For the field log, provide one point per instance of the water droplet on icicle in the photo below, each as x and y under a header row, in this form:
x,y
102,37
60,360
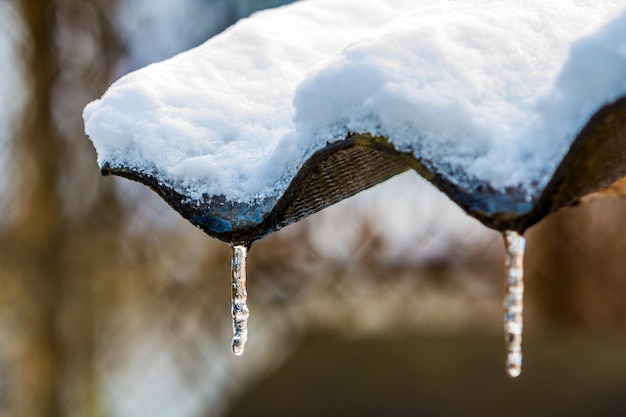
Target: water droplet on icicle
x,y
239,299
514,301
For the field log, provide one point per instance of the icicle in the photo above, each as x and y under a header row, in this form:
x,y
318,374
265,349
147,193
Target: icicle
x,y
239,299
514,300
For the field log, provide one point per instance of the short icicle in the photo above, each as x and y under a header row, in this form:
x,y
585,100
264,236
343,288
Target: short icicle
x,y
514,301
239,298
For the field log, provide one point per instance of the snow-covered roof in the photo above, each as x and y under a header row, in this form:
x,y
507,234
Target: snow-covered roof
x,y
476,96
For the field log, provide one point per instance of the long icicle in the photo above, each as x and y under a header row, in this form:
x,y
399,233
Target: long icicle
x,y
514,301
239,298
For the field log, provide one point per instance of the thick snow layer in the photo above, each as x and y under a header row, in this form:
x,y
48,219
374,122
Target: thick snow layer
x,y
485,89
488,91
210,119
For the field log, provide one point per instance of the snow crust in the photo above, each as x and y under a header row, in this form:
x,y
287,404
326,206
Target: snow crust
x,y
481,90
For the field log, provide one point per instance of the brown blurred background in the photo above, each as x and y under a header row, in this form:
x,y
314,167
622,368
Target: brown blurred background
x,y
386,304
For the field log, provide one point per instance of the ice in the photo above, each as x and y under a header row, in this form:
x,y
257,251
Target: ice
x,y
514,301
239,299
477,90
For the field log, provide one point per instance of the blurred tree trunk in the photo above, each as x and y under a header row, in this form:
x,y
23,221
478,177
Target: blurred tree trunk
x,y
49,299
39,224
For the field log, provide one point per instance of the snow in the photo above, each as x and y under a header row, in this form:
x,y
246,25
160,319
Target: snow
x,y
485,91
210,119
482,81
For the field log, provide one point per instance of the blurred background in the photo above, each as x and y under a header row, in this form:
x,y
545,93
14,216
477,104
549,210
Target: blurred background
x,y
389,303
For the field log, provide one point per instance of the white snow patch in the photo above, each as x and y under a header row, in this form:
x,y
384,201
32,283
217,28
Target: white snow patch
x,y
463,84
210,119
474,87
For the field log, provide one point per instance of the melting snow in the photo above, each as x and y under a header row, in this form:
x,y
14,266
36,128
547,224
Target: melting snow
x,y
494,90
